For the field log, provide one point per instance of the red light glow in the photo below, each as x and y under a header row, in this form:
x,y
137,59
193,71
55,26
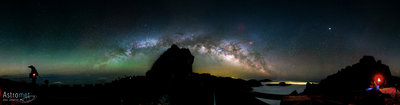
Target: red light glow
x,y
378,79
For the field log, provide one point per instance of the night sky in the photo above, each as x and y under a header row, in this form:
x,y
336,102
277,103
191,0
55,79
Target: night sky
x,y
281,40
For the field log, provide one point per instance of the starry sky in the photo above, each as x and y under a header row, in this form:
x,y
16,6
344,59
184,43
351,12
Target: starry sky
x,y
249,39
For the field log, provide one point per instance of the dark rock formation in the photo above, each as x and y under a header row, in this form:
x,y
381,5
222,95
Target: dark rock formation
x,y
349,84
357,77
254,83
173,64
265,80
293,93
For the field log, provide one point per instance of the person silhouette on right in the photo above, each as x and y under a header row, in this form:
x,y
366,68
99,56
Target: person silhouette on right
x,y
34,74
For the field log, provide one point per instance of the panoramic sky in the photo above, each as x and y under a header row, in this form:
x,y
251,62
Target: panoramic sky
x,y
282,40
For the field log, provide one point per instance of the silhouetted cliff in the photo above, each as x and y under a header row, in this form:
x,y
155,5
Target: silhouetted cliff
x,y
358,76
349,84
175,63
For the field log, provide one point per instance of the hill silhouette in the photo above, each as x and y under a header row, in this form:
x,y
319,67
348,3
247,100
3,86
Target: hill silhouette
x,y
349,84
358,76
6,83
173,64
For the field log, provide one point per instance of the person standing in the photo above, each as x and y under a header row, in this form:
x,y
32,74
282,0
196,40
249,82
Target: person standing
x,y
34,74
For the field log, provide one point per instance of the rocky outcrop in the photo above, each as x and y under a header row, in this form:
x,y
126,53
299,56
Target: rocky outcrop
x,y
359,76
173,64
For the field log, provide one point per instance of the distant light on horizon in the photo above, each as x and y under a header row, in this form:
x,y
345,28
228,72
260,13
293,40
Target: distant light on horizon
x,y
291,83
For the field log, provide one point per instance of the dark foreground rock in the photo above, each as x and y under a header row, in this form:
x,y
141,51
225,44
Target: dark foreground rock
x,y
357,77
360,83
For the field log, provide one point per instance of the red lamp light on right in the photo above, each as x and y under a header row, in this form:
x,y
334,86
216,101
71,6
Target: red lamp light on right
x,y
379,79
